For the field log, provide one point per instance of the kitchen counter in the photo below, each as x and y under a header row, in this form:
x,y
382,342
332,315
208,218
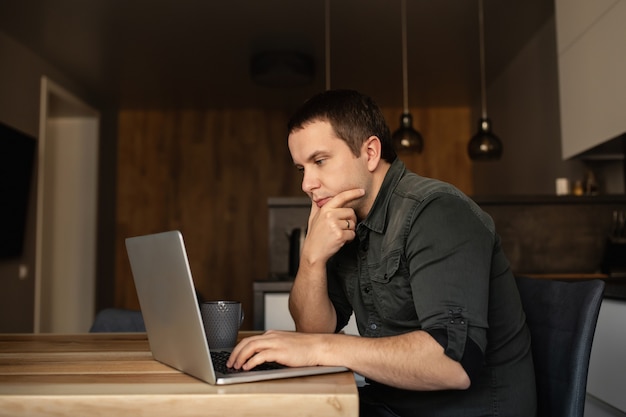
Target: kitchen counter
x,y
549,199
615,288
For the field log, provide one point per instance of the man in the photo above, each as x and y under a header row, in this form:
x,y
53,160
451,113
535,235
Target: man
x,y
442,328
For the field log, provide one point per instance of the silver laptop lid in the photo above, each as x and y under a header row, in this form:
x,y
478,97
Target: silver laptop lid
x,y
168,303
172,317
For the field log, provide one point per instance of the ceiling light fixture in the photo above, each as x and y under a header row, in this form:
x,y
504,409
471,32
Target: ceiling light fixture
x,y
406,139
282,68
484,145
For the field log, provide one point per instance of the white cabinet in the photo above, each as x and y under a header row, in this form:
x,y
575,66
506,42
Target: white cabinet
x,y
592,64
271,310
276,315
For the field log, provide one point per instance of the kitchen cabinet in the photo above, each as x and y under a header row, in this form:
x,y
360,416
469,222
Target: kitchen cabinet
x,y
592,64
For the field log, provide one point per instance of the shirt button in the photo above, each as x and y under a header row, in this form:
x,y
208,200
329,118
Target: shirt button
x,y
367,290
373,326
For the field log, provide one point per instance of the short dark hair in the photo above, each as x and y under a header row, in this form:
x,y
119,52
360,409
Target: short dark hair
x,y
353,116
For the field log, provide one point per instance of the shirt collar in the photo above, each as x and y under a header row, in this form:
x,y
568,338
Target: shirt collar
x,y
377,217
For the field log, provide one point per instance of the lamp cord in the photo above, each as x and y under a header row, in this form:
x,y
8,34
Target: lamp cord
x,y
327,42
405,71
481,33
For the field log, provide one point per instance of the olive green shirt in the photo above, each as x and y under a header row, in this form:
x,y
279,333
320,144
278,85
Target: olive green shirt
x,y
427,257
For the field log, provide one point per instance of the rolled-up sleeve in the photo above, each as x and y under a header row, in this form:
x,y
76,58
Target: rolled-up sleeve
x,y
449,251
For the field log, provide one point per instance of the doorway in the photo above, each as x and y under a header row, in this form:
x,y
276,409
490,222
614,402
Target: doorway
x,y
67,190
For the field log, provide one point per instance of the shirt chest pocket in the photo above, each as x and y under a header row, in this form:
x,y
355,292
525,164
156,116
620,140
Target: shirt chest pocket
x,y
390,282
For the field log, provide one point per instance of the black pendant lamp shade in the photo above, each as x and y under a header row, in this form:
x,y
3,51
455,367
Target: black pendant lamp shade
x,y
484,145
407,139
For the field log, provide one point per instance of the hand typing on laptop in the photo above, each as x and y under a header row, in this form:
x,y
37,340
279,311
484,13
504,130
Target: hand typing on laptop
x,y
287,348
220,358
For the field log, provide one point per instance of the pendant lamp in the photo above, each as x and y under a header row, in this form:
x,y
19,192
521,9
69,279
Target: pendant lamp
x,y
484,145
406,139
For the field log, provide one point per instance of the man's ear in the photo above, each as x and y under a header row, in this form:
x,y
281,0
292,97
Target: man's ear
x,y
372,150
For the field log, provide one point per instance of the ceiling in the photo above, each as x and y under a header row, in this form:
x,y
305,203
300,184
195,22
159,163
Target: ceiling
x,y
196,53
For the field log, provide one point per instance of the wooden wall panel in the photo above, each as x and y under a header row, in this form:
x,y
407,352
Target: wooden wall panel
x,y
209,174
446,132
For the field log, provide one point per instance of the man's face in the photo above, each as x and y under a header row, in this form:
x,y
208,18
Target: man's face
x,y
327,164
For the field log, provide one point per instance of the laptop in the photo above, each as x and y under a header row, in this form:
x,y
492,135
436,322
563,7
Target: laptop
x,y
172,317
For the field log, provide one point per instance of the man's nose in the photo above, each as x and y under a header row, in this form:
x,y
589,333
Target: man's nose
x,y
309,183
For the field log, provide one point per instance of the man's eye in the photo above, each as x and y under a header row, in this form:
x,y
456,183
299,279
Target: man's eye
x,y
319,161
300,169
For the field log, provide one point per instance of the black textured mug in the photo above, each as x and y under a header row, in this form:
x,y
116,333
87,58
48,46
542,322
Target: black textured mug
x,y
221,320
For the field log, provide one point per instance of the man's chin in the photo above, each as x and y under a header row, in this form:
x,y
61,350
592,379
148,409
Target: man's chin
x,y
355,204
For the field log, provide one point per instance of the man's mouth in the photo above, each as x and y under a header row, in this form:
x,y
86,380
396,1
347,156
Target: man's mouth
x,y
320,202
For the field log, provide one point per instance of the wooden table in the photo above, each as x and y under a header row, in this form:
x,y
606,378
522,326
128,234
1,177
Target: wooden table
x,y
106,374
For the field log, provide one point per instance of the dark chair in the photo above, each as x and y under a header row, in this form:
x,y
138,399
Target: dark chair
x,y
118,320
123,320
562,320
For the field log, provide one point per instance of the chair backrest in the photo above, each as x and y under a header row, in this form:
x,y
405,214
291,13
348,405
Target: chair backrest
x,y
118,320
562,319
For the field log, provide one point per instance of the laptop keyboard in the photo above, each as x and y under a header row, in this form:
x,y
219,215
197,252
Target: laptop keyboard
x,y
219,359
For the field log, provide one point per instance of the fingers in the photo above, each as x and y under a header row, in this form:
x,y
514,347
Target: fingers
x,y
314,210
249,352
287,348
338,201
330,227
341,220
344,197
238,357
